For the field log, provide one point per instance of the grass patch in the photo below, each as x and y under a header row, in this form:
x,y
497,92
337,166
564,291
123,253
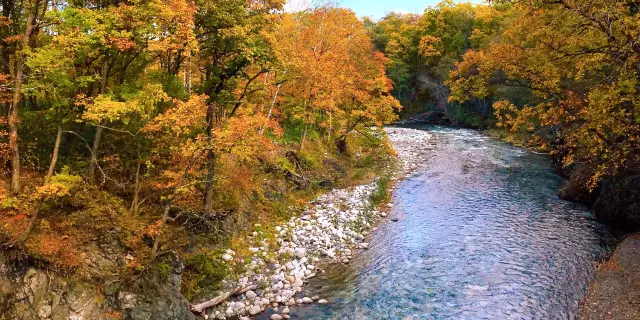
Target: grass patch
x,y
381,193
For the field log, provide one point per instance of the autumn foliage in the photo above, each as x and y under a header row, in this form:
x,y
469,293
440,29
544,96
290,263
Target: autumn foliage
x,y
579,62
150,127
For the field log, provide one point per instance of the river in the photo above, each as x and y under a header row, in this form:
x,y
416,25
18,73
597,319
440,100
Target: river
x,y
480,234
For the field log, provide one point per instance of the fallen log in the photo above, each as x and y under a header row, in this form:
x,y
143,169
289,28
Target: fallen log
x,y
199,308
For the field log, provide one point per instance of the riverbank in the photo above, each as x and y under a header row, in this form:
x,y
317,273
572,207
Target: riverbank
x,y
90,246
614,294
332,230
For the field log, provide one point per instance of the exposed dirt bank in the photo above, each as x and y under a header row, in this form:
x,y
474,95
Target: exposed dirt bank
x,y
615,292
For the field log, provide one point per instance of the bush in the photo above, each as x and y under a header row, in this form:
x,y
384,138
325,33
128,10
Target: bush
x,y
380,194
204,271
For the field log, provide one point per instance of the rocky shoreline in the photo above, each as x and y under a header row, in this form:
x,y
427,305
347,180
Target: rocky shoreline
x,y
614,294
331,230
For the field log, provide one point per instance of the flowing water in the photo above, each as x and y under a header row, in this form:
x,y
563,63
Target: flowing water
x,y
480,234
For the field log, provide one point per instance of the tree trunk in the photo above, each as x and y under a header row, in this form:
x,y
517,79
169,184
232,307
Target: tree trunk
x,y
341,144
13,137
94,154
211,159
32,221
187,76
17,99
304,136
167,208
96,139
273,103
54,155
47,179
136,191
330,125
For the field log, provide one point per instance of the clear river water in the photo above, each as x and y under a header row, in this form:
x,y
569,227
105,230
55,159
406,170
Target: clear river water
x,y
481,234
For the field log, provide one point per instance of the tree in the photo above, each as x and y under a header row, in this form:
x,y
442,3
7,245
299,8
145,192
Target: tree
x,y
232,36
330,54
580,61
34,9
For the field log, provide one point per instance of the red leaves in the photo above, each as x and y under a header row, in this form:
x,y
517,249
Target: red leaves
x,y
121,43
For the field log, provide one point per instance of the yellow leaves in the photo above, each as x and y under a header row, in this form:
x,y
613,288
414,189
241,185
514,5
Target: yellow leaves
x,y
104,108
60,185
586,94
174,26
470,77
52,190
329,53
503,112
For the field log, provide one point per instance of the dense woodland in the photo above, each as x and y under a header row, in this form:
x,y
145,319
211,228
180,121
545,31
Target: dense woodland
x,y
166,126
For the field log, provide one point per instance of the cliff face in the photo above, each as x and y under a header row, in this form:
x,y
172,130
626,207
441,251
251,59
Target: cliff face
x,y
31,293
35,294
619,201
616,200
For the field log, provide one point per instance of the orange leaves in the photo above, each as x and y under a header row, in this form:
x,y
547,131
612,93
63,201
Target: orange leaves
x,y
61,250
572,67
154,229
328,53
13,38
429,46
241,136
121,43
184,118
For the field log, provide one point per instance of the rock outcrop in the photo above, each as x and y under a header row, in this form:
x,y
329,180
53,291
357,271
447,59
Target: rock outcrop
x,y
616,200
36,294
29,293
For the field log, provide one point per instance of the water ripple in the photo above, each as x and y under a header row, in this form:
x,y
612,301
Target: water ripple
x,y
481,235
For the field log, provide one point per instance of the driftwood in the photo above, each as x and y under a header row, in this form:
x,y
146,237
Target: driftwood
x,y
198,308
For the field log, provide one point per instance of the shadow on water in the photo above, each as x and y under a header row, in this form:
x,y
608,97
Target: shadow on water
x,y
481,235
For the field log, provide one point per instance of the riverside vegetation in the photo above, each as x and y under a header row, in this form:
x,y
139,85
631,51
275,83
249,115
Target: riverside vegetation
x,y
560,76
152,147
144,138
